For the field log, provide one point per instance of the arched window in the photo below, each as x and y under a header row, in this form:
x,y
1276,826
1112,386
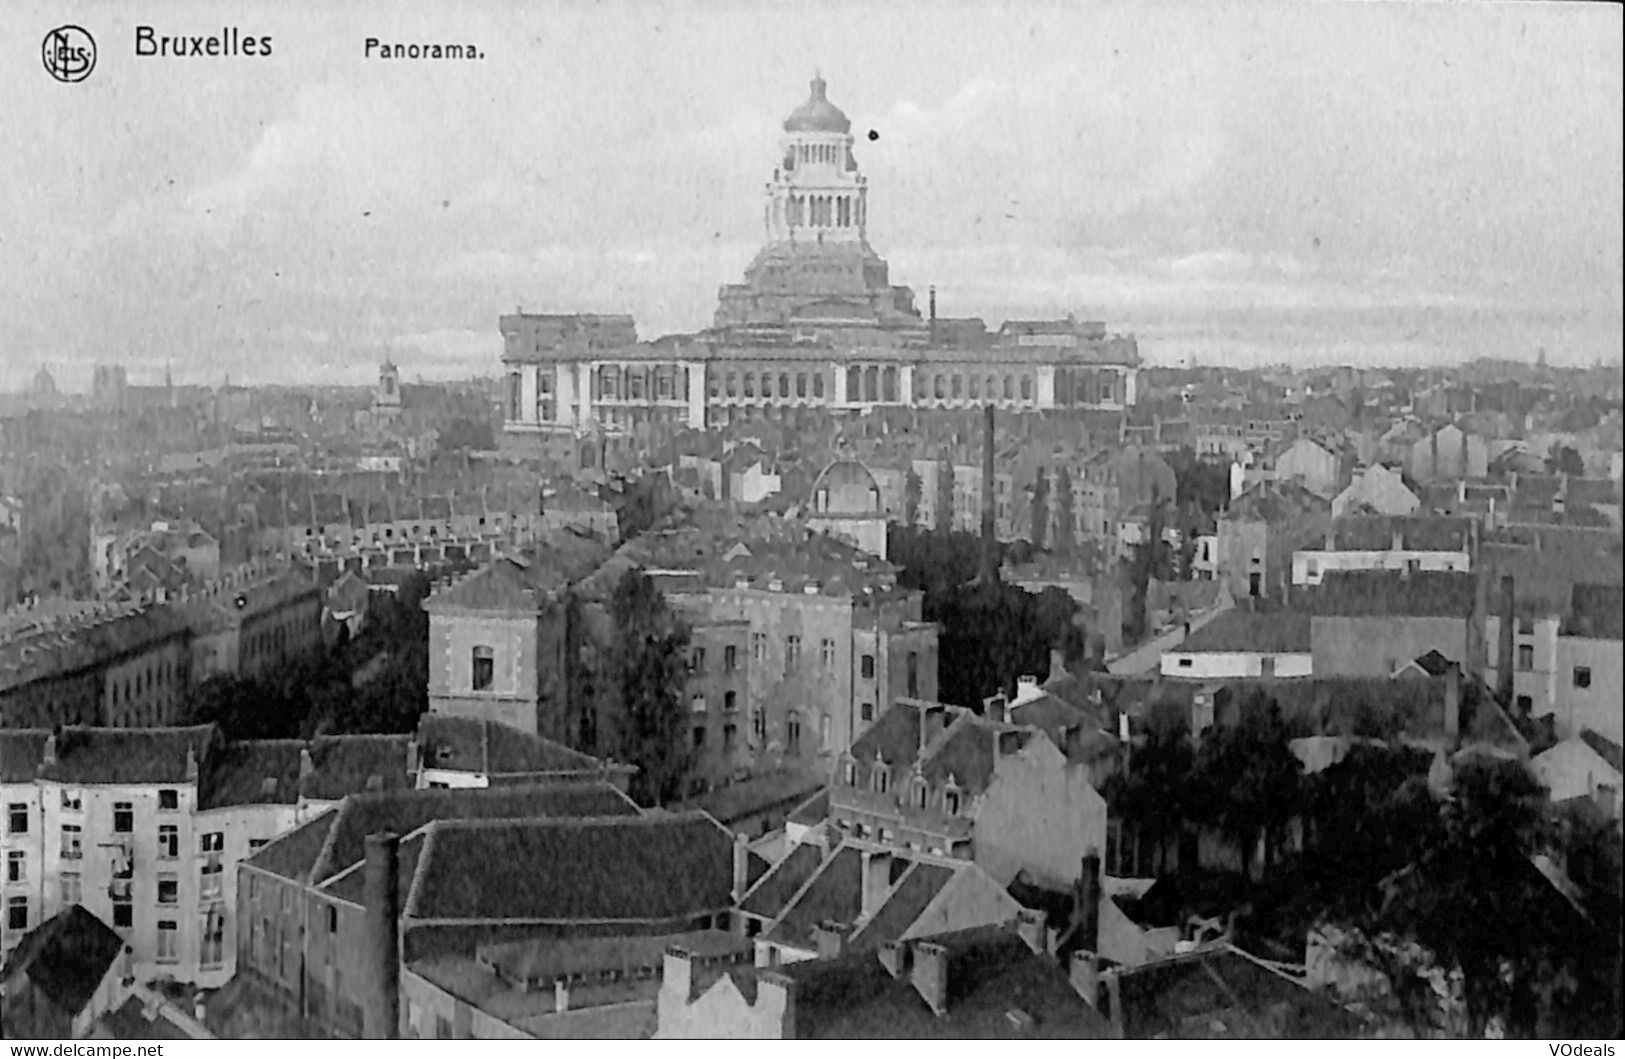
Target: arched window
x,y
958,386
939,386
750,384
818,385
767,385
975,387
882,778
784,384
921,794
801,384
1026,387
854,384
888,384
1009,388
992,387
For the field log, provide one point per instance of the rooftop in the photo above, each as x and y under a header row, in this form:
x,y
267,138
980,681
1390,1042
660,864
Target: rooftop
x,y
1243,629
65,958
1394,593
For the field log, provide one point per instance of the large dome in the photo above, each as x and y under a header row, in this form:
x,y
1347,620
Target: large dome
x,y
818,114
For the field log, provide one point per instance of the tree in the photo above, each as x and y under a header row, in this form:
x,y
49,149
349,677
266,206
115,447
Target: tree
x,y
1249,780
648,664
911,498
1040,509
1564,459
1154,791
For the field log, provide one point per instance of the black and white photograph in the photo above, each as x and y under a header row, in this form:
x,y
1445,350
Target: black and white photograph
x,y
943,519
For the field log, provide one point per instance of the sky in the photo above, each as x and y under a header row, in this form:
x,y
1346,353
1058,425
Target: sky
x,y
1244,183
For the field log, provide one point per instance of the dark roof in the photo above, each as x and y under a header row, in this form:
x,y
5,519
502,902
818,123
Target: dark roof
x,y
1274,501
129,1022
1394,593
1598,612
347,764
252,772
1241,629
66,957
21,751
1222,993
343,832
895,735
834,895
469,744
510,584
655,867
1433,664
745,798
915,890
1606,748
770,895
1423,533
992,975
130,755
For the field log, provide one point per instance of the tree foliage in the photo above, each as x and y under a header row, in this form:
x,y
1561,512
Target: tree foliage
x,y
1565,459
648,664
1248,781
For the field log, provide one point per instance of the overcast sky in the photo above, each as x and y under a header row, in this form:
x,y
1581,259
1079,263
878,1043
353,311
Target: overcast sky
x,y
1249,182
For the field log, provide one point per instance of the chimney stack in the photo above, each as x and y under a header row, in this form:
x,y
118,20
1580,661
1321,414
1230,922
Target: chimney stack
x,y
741,865
1452,700
1505,677
1085,976
933,300
1030,924
996,708
894,957
830,939
561,995
876,881
380,1009
677,974
929,975
1057,664
776,999
1088,902
990,562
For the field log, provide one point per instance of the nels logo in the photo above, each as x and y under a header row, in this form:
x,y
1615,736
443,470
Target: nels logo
x,y
69,53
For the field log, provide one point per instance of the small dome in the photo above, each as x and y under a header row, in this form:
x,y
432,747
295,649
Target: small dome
x,y
818,114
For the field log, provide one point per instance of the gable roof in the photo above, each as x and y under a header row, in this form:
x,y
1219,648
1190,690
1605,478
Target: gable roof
x,y
66,957
773,891
21,751
628,868
1244,629
1394,593
334,841
468,744
1220,993
130,755
834,894
992,974
346,764
251,772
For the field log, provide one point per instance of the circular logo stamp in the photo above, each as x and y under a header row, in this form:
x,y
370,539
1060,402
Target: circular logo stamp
x,y
69,53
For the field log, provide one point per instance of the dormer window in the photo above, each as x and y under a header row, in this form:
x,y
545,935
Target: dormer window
x,y
951,800
882,779
922,794
849,773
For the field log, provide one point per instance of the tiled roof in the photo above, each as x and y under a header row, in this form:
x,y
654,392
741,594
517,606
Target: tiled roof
x,y
130,755
251,772
79,642
1598,611
1606,748
21,751
510,584
347,764
895,736
654,867
1376,533
65,958
991,975
758,793
834,894
1218,994
1395,593
467,744
1273,502
1241,629
915,890
769,896
403,812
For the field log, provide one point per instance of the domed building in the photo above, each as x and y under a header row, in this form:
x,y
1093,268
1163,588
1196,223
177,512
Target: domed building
x,y
845,503
817,327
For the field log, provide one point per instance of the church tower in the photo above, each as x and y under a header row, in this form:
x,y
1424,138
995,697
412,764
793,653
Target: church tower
x,y
817,193
387,400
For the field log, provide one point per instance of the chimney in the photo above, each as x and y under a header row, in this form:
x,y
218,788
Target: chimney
x,y
1505,661
1398,541
677,973
996,708
1452,700
933,719
1266,668
411,756
894,957
1087,900
1030,923
830,939
990,560
933,300
1331,539
380,1010
929,975
1114,1003
776,1003
561,995
48,754
306,765
876,881
741,863
1085,976
1057,664
191,764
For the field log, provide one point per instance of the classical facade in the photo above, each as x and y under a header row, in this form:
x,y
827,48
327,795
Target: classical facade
x,y
816,324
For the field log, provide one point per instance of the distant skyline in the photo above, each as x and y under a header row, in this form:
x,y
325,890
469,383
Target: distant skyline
x,y
1363,183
